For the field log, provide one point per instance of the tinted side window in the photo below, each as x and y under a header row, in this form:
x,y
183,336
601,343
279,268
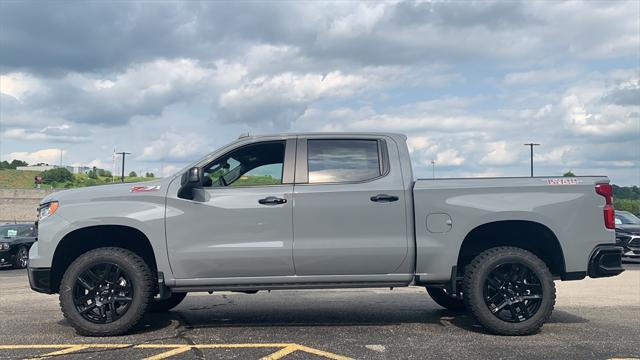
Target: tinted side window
x,y
252,165
332,161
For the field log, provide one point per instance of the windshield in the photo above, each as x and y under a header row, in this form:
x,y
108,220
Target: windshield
x,y
626,219
9,231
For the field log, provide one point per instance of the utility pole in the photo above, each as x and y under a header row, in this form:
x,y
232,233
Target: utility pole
x,y
433,169
124,154
531,145
113,166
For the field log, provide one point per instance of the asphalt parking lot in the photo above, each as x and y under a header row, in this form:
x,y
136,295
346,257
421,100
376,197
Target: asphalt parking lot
x,y
594,319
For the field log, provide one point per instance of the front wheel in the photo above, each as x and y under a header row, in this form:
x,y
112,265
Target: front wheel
x,y
509,290
105,292
22,258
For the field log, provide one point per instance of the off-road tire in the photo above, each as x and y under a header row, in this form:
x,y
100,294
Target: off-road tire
x,y
142,283
442,298
159,306
474,281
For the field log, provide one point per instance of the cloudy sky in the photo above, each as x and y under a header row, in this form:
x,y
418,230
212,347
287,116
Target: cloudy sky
x,y
469,83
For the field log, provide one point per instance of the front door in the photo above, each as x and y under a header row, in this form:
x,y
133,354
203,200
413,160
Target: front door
x,y
239,224
350,214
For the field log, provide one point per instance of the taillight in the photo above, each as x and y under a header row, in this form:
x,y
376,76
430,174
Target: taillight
x,y
609,213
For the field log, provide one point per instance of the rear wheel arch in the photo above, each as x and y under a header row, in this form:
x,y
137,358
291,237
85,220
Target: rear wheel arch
x,y
79,241
525,234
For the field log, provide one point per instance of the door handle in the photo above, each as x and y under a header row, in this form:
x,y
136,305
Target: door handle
x,y
272,200
384,198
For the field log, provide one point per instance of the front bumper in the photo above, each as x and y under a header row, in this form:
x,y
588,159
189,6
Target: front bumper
x,y
630,243
605,261
40,279
7,258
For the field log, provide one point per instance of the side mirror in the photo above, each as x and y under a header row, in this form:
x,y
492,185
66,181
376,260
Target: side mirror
x,y
190,179
194,175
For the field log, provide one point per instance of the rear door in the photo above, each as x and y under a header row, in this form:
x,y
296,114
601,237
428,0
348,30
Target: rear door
x,y
349,215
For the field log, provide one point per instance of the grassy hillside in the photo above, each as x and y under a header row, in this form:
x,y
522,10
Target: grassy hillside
x,y
17,179
24,180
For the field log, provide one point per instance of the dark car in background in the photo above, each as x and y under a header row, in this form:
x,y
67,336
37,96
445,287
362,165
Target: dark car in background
x,y
628,233
15,241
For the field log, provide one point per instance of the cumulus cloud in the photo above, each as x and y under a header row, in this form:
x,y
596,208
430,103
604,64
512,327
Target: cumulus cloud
x,y
499,154
56,133
48,156
172,146
602,110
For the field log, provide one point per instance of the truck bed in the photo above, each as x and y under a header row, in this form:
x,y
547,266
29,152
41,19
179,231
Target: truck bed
x,y
446,211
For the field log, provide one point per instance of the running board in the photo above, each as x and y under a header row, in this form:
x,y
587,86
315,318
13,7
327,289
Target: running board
x,y
291,286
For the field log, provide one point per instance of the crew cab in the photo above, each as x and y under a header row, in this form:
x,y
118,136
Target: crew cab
x,y
321,210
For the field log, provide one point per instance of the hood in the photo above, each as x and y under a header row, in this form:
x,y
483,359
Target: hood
x,y
95,193
630,229
15,238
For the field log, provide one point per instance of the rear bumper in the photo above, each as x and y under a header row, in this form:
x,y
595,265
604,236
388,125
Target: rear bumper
x,y
605,261
40,279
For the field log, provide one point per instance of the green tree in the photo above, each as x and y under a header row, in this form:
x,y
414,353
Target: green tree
x,y
569,174
626,192
133,174
13,164
149,175
632,206
57,175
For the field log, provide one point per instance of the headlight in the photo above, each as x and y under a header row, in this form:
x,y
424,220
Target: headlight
x,y
47,209
4,246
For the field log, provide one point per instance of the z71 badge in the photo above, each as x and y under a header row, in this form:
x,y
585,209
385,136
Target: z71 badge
x,y
145,188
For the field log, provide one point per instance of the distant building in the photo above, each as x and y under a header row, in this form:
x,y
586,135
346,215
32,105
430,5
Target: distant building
x,y
79,169
36,168
44,167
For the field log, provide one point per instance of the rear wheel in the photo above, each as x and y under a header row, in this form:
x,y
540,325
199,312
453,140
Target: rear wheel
x,y
22,258
443,298
106,291
509,290
167,304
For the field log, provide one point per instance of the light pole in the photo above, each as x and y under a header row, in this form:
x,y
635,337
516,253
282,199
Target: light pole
x,y
124,154
433,169
531,145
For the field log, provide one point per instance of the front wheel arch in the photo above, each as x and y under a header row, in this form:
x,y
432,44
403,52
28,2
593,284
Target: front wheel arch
x,y
82,240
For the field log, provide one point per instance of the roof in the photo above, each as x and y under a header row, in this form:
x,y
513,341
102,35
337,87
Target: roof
x,y
334,133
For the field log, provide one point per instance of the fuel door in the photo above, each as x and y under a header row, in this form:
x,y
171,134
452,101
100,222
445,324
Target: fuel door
x,y
438,223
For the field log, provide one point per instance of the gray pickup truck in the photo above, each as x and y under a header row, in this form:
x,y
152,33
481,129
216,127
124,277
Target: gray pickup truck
x,y
308,211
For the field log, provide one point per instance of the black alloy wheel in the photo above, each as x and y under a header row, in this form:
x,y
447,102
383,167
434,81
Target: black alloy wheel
x,y
513,292
103,293
509,291
22,258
